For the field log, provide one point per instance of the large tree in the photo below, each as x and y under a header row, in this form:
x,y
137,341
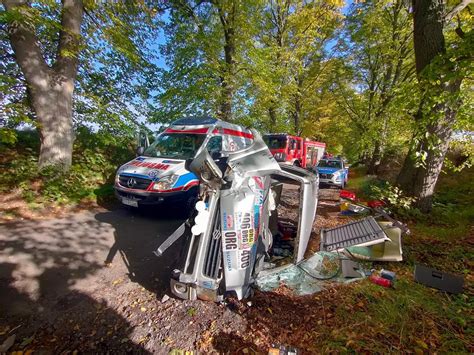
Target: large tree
x,y
380,54
441,68
289,60
50,85
205,50
113,60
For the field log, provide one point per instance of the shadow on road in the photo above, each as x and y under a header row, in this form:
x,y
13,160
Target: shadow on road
x,y
136,236
47,287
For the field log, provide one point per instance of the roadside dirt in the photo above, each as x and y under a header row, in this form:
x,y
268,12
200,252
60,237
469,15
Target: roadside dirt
x,y
89,283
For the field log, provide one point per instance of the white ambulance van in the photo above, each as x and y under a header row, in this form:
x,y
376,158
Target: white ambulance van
x,y
158,176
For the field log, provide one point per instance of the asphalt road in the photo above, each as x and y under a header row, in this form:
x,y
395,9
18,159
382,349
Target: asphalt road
x,y
44,260
40,261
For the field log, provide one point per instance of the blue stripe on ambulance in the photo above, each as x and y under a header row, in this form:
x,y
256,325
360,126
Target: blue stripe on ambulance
x,y
184,179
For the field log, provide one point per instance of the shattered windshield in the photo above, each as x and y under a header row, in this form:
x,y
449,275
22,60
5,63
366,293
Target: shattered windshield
x,y
275,142
175,146
330,164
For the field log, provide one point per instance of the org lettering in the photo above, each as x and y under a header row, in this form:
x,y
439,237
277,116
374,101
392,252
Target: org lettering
x,y
230,240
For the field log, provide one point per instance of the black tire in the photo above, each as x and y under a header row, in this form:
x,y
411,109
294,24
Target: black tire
x,y
189,206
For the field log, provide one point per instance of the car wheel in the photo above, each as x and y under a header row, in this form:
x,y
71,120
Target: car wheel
x,y
189,206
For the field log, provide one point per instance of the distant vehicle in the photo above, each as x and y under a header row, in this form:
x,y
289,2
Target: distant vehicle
x,y
294,150
158,175
333,171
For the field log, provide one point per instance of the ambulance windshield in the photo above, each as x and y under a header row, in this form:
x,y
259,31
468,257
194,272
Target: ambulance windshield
x,y
175,146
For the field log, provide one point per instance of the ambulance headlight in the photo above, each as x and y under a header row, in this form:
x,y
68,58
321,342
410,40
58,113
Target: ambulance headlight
x,y
165,183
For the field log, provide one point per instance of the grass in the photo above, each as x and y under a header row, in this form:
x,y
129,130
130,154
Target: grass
x,y
412,317
408,318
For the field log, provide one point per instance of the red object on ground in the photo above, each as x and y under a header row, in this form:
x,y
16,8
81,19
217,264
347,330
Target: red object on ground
x,y
295,150
375,203
347,195
380,281
287,230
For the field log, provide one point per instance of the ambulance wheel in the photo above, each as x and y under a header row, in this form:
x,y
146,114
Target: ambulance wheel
x,y
189,206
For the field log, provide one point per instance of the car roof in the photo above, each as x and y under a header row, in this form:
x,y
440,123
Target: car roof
x,y
200,124
195,121
332,159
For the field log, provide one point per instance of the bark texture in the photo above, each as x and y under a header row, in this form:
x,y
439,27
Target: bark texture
x,y
228,73
420,181
50,87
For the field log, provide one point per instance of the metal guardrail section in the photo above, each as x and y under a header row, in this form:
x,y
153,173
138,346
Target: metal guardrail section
x,y
354,233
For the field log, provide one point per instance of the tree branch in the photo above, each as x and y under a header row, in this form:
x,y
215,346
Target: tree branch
x,y
457,9
69,38
25,45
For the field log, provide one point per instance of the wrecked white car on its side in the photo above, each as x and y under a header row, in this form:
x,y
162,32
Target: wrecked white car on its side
x,y
231,237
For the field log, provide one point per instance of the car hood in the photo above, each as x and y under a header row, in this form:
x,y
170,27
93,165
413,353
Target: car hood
x,y
152,168
327,170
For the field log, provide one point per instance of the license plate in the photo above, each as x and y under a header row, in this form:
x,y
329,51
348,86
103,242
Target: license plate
x,y
129,202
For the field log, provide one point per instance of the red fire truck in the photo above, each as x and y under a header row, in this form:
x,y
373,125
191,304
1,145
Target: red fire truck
x,y
295,150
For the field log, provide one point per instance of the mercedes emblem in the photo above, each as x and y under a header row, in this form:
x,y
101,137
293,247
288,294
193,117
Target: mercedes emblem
x,y
131,182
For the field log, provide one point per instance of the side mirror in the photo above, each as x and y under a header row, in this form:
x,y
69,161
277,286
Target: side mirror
x,y
140,150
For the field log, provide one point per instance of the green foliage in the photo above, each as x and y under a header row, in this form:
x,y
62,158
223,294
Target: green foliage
x,y
95,160
393,195
378,36
117,64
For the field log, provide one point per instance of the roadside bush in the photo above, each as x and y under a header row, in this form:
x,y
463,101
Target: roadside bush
x,y
95,159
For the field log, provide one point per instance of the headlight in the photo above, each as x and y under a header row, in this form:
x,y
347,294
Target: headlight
x,y
165,183
337,175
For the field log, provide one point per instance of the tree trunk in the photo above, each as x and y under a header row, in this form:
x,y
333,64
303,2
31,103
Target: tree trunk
x,y
50,88
55,121
379,148
376,159
297,114
228,75
273,116
419,179
297,108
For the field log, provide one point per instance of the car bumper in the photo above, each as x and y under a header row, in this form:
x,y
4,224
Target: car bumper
x,y
146,198
332,182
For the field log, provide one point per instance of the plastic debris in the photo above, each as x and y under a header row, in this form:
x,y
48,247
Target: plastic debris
x,y
389,275
438,279
165,298
349,195
380,281
283,350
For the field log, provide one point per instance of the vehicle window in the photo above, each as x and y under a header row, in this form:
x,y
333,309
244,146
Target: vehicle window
x,y
214,145
275,142
330,164
175,146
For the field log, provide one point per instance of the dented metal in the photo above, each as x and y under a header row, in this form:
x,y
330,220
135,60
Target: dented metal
x,y
231,234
